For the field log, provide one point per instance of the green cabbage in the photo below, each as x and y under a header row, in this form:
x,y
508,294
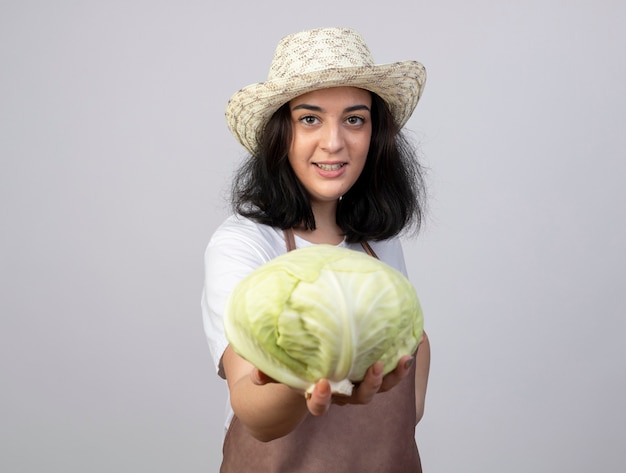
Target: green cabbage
x,y
323,312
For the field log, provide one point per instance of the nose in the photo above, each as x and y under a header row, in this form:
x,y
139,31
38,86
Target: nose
x,y
332,140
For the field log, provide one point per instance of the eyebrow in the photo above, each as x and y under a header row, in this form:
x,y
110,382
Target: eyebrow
x,y
315,108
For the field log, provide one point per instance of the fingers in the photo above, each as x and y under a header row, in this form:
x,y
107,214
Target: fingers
x,y
370,385
319,401
260,378
402,371
374,382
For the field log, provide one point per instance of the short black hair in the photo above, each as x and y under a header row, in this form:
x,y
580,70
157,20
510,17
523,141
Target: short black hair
x,y
387,198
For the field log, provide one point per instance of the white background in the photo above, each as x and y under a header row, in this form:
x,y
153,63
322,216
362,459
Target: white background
x,y
115,164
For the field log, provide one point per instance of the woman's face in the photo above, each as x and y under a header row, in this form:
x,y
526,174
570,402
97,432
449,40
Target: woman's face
x,y
332,129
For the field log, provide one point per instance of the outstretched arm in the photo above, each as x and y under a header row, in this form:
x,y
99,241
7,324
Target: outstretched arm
x,y
267,410
270,410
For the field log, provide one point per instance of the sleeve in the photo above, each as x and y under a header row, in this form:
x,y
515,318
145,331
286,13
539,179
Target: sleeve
x,y
229,257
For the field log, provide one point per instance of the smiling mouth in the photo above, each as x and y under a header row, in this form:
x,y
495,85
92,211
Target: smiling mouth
x,y
330,167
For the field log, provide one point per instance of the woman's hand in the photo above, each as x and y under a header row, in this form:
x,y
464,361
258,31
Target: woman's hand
x,y
319,401
374,382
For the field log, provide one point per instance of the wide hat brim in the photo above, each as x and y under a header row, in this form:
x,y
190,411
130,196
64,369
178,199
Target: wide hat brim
x,y
399,84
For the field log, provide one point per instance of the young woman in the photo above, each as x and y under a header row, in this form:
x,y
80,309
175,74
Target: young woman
x,y
328,164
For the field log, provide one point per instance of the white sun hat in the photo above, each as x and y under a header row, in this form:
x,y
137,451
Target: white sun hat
x,y
319,59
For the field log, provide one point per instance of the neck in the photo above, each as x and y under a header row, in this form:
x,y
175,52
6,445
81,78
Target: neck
x,y
326,228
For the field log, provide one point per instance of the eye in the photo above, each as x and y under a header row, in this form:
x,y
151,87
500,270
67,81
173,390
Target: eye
x,y
355,120
309,120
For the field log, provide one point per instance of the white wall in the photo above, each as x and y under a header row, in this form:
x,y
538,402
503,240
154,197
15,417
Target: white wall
x,y
115,160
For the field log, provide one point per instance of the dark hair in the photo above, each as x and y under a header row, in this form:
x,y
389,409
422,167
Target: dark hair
x,y
387,198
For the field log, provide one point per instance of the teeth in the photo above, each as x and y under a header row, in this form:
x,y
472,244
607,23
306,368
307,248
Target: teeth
x,y
329,167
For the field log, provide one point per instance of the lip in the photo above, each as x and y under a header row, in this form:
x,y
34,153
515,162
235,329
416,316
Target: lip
x,y
329,169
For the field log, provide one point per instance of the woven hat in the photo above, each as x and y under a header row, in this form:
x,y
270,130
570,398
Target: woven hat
x,y
318,59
